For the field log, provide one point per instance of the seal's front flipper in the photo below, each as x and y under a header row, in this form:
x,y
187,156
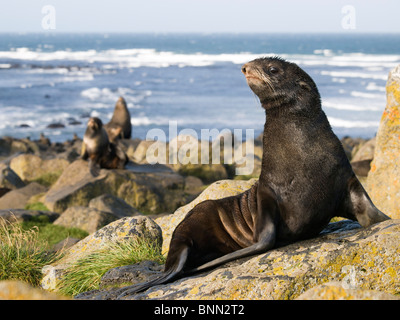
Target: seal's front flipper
x,y
358,205
94,168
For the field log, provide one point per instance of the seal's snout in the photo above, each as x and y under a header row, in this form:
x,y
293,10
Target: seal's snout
x,y
244,68
91,122
250,72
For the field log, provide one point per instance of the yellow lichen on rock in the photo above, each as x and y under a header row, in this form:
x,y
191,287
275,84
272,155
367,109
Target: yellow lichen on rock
x,y
18,290
364,261
336,291
383,179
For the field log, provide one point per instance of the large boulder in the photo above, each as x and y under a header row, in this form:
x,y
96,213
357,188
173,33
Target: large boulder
x,y
148,191
114,205
19,215
88,219
383,181
120,230
9,179
17,199
359,259
31,167
18,290
337,290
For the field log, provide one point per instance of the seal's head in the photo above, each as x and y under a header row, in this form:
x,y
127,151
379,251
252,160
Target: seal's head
x,y
94,124
278,82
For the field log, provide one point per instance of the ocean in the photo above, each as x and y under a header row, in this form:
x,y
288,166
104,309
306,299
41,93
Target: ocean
x,y
193,79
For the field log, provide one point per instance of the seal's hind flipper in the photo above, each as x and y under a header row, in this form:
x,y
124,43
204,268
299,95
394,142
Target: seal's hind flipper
x,y
164,278
172,273
358,205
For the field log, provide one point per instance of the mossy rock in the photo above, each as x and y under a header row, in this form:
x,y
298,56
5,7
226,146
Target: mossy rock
x,y
31,167
148,192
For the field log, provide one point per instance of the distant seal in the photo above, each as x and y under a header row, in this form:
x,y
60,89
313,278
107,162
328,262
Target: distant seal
x,y
306,179
99,150
120,126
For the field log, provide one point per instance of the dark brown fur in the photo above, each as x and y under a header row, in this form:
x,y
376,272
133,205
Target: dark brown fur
x,y
306,179
120,126
99,150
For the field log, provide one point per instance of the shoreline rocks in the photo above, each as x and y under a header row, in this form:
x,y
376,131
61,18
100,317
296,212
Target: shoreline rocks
x,y
358,260
344,262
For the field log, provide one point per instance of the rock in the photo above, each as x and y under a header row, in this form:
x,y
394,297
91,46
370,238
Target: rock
x,y
129,146
148,192
383,182
10,146
139,153
88,219
19,215
135,273
5,146
120,230
217,190
9,179
65,244
114,205
24,145
17,199
3,191
351,145
361,168
18,290
358,258
336,290
31,167
118,277
56,125
365,151
193,185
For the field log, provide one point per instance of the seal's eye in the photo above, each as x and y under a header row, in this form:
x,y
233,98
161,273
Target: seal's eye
x,y
273,70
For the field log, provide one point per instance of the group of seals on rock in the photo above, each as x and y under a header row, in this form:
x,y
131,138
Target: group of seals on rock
x,y
306,179
100,145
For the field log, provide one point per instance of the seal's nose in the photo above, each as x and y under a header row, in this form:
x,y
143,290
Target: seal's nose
x,y
244,68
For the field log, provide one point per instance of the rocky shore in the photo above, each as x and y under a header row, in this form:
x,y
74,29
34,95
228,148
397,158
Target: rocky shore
x,y
344,262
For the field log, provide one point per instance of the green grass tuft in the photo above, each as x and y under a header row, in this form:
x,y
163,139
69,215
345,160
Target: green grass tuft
x,y
38,206
48,179
51,233
85,274
22,253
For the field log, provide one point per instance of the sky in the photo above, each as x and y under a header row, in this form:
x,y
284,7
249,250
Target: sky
x,y
236,16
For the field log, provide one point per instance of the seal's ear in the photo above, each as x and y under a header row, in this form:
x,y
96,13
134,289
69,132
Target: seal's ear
x,y
304,85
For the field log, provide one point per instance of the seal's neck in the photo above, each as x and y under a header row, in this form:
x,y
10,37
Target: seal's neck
x,y
287,135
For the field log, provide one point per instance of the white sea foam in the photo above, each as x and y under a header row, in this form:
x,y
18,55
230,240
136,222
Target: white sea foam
x,y
366,95
348,107
108,96
350,74
129,57
134,58
336,122
372,86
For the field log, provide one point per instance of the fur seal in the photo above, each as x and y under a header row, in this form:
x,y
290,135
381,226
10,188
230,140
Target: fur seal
x,y
120,126
99,150
306,179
